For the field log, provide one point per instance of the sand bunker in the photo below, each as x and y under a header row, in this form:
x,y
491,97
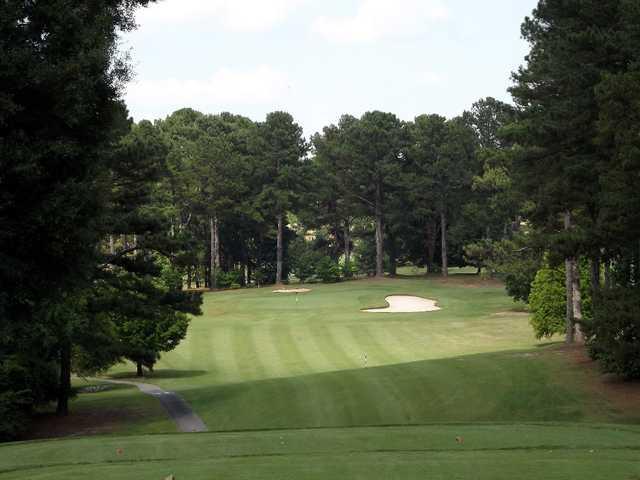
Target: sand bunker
x,y
406,304
293,290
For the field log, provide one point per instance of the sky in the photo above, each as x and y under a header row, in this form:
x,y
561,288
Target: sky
x,y
320,59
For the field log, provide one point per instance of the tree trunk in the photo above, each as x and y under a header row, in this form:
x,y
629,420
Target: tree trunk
x,y
214,251
393,257
139,371
568,283
379,247
347,243
607,273
595,274
578,335
379,233
574,300
430,241
279,250
443,233
112,245
64,388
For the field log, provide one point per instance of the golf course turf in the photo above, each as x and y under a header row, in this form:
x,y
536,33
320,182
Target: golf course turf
x,y
308,386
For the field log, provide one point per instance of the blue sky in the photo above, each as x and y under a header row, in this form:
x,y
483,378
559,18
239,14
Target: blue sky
x,y
319,59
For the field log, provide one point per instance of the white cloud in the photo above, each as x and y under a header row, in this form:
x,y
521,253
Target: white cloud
x,y
234,15
376,19
430,78
225,89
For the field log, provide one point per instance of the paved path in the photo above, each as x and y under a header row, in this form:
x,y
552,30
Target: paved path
x,y
179,410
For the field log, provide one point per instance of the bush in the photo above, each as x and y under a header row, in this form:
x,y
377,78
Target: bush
x,y
548,302
24,385
227,279
479,253
327,270
303,259
613,336
349,269
304,266
516,261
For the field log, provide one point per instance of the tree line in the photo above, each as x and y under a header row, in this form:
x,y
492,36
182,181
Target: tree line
x,y
373,192
112,228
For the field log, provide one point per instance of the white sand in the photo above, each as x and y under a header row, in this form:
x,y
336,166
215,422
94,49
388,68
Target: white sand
x,y
293,290
406,304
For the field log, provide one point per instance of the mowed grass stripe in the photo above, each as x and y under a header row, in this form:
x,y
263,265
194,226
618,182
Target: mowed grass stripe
x,y
225,357
308,348
325,339
380,391
289,350
376,352
394,338
396,404
268,351
246,353
347,390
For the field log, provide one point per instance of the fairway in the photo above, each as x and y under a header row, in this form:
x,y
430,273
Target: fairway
x,y
259,360
312,386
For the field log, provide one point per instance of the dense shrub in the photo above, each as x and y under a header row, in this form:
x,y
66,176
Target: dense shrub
x,y
548,302
327,270
349,269
613,336
304,266
479,253
226,279
516,261
303,259
24,385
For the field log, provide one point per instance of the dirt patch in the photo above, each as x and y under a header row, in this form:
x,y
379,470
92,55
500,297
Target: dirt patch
x,y
467,281
512,313
292,290
83,422
623,395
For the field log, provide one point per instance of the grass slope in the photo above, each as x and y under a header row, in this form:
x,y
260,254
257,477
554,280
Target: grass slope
x,y
282,380
262,360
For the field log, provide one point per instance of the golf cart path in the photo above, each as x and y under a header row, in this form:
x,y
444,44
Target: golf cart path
x,y
177,408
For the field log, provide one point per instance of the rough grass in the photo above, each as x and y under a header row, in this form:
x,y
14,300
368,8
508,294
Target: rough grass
x,y
284,382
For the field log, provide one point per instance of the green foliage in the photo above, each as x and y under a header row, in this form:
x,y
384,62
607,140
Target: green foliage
x,y
227,279
349,269
16,397
479,253
516,262
613,336
328,270
60,116
548,302
365,256
303,259
149,311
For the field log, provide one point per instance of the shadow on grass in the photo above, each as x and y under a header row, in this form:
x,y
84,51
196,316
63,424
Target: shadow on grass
x,y
507,386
